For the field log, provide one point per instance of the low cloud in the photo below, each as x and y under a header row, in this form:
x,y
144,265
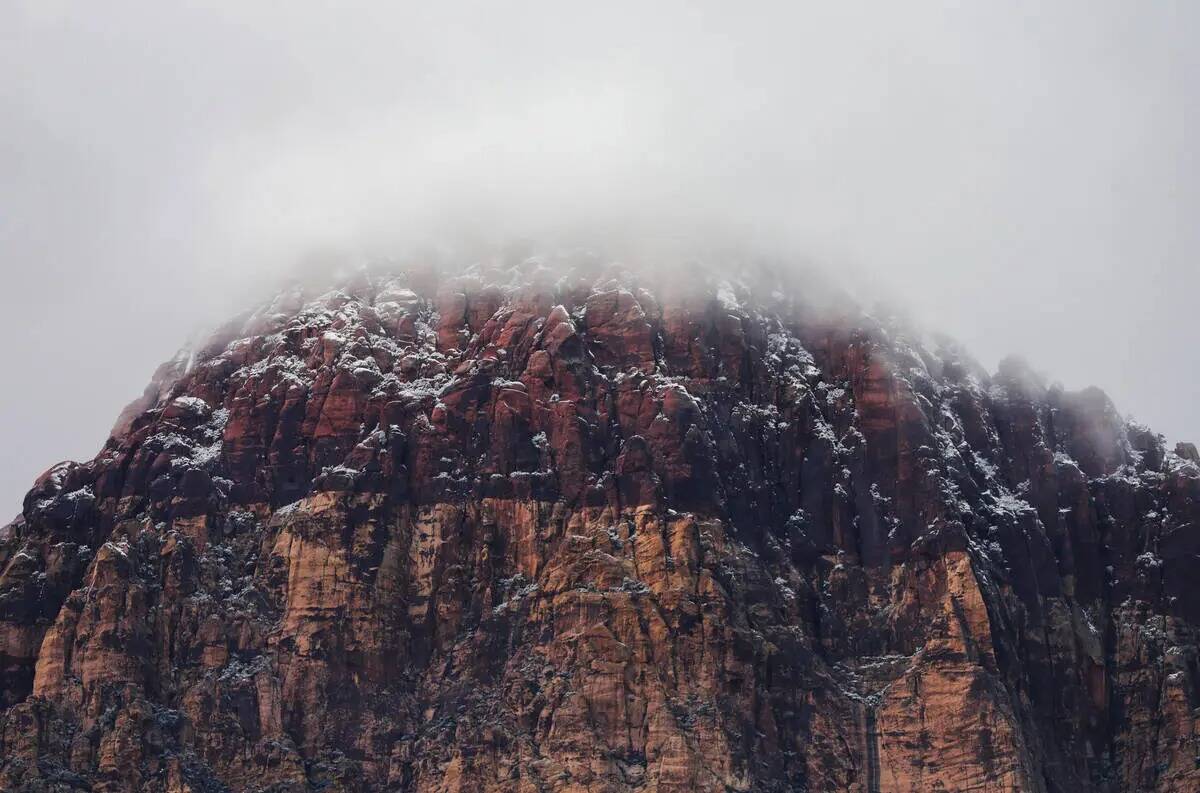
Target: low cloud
x,y
1021,177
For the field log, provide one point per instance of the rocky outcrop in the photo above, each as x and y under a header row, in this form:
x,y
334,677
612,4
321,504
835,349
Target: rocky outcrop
x,y
551,527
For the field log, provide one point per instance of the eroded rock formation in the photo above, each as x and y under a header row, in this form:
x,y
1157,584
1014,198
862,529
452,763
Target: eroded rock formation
x,y
555,528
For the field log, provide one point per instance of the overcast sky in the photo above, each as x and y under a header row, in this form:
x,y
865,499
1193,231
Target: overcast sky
x,y
1022,175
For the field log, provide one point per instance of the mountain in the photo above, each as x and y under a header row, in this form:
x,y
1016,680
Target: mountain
x,y
548,525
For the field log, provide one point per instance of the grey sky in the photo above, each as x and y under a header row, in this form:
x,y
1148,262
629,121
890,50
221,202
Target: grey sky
x,y
1022,177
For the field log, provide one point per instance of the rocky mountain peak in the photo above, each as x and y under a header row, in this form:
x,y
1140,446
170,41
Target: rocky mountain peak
x,y
552,524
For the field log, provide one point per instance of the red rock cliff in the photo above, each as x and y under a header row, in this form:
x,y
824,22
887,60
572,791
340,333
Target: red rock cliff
x,y
554,528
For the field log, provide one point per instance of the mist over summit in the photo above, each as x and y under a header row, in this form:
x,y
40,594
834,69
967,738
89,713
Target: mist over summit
x,y
605,399
1018,177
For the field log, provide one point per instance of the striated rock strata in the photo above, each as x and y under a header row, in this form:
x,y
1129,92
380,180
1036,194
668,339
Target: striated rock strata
x,y
555,528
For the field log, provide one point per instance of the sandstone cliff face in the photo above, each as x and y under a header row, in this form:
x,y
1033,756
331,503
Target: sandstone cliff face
x,y
552,528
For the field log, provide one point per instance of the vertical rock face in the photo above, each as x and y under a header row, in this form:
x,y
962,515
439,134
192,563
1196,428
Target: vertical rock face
x,y
554,528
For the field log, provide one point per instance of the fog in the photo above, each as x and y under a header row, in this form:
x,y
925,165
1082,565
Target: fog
x,y
1021,177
